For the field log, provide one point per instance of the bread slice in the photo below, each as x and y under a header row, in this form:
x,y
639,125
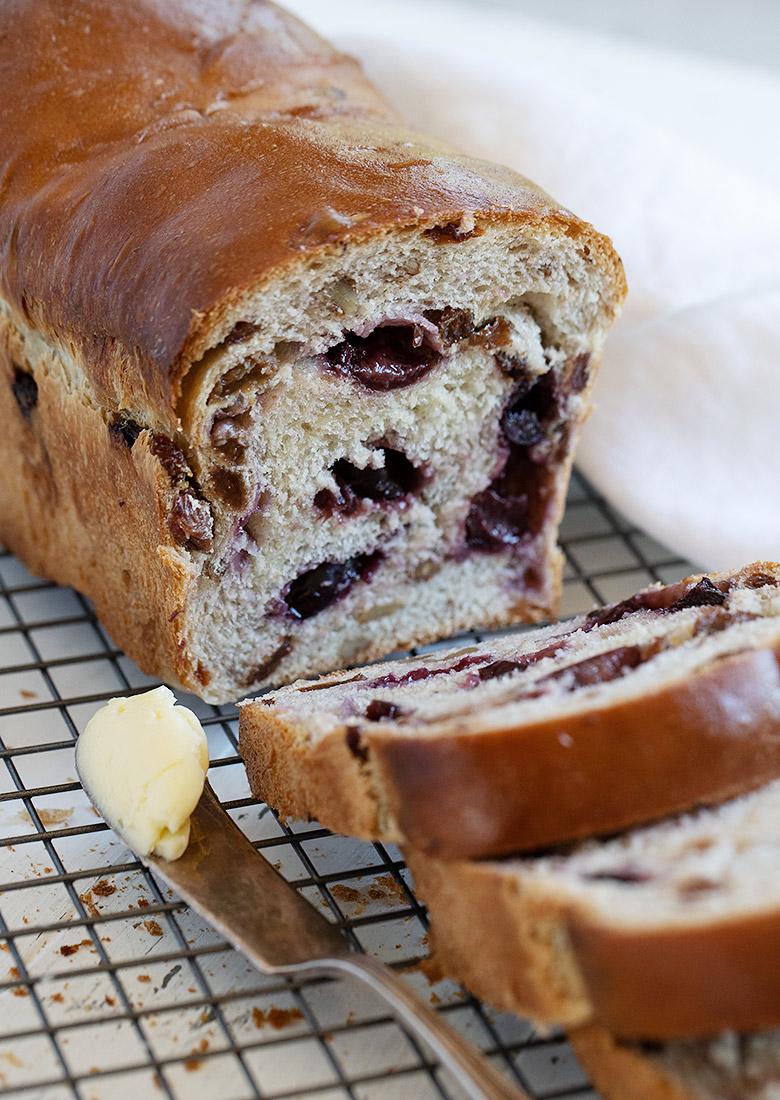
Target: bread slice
x,y
670,930
730,1066
651,706
285,385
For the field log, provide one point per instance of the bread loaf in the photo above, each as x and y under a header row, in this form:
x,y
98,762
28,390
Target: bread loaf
x,y
650,706
285,385
729,1066
667,931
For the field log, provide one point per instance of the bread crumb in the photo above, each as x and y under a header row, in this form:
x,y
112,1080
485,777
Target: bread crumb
x,y
278,1018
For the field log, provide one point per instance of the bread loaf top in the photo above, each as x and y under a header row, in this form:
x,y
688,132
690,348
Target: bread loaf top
x,y
162,160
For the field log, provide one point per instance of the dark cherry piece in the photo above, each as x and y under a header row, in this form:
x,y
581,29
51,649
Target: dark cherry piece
x,y
391,679
450,234
393,481
343,501
389,358
643,601
580,373
503,668
318,588
124,430
497,669
25,391
655,599
378,709
496,520
703,594
523,427
599,669
511,509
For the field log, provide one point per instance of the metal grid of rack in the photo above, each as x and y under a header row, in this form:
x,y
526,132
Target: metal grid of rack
x,y
110,987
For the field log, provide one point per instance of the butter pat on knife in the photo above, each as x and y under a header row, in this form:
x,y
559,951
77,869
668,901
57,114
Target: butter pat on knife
x,y
143,762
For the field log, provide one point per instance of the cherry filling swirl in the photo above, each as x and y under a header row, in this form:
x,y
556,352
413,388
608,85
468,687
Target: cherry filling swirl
x,y
390,357
318,588
511,509
392,482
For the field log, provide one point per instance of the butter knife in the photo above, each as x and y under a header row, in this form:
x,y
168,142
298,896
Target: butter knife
x,y
224,878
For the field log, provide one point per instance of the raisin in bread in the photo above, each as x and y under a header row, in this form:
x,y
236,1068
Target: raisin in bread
x,y
669,930
286,385
650,706
730,1066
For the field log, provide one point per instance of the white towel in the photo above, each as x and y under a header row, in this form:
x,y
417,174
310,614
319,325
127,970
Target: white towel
x,y
678,160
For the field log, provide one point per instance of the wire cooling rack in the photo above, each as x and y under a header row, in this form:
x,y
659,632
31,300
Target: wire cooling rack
x,y
110,987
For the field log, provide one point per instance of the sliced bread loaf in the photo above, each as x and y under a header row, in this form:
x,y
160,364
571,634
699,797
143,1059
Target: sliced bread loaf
x,y
651,706
283,383
731,1066
669,930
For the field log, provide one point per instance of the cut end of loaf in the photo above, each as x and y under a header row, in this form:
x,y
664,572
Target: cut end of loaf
x,y
384,445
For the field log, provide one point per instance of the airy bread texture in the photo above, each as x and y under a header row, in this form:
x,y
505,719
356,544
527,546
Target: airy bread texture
x,y
666,931
287,386
662,702
730,1066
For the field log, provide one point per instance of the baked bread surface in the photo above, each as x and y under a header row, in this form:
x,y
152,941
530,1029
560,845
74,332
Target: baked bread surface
x,y
190,150
664,701
201,201
662,932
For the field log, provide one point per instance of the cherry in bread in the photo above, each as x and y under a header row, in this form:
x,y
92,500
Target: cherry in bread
x,y
666,931
667,700
283,384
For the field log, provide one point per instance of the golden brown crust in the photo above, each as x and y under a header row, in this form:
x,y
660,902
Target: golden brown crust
x,y
621,1072
458,794
530,951
671,982
224,142
287,769
510,952
68,483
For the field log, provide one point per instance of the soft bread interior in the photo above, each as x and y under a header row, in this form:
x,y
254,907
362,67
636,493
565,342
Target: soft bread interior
x,y
717,864
557,670
276,423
